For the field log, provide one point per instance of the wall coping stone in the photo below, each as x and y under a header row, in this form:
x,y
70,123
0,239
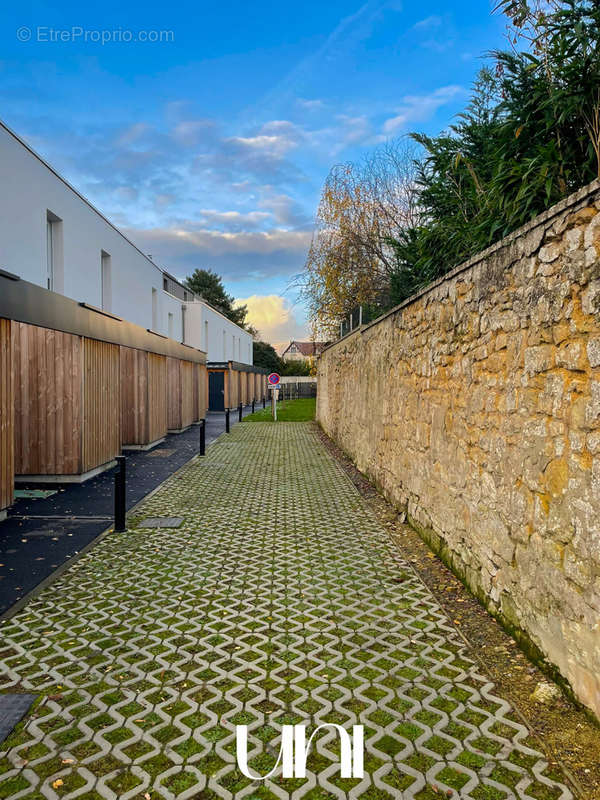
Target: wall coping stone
x,y
550,213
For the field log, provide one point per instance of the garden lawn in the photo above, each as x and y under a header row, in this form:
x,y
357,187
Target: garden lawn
x,y
289,411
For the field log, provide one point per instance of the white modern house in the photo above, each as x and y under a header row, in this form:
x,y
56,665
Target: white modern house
x,y
52,236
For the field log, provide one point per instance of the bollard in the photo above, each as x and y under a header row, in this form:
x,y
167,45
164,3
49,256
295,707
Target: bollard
x,y
264,401
120,495
253,406
226,420
202,437
240,410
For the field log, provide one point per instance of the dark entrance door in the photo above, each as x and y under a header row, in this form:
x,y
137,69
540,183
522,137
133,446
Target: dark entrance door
x,y
216,391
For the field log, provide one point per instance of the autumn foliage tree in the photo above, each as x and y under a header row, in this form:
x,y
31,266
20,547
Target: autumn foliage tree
x,y
363,207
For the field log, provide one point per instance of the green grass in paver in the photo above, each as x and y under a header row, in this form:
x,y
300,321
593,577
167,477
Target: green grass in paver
x,y
302,410
158,637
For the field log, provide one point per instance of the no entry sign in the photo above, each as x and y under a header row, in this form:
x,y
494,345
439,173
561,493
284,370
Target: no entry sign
x,y
273,379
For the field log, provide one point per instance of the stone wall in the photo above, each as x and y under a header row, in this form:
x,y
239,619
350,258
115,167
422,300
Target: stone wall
x,y
476,406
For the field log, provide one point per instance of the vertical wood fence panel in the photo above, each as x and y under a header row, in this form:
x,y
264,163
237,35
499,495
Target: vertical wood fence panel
x,y
157,397
101,403
186,373
134,396
7,456
47,386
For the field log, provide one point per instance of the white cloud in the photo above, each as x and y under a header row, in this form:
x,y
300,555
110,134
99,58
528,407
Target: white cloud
x,y
237,255
273,316
434,21
233,220
417,108
310,105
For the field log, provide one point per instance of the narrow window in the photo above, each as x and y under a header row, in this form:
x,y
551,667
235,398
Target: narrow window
x,y
224,346
54,253
105,268
206,336
170,324
154,309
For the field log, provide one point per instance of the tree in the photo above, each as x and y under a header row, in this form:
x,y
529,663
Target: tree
x,y
209,286
530,136
296,366
265,355
363,207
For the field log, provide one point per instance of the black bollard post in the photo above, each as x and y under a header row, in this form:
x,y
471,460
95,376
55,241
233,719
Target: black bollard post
x,y
264,401
253,406
240,410
120,495
202,437
226,420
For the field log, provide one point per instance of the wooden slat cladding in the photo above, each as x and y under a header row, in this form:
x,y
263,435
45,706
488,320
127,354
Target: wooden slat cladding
x,y
196,392
157,397
134,396
202,390
173,394
186,372
233,388
7,455
47,386
180,393
101,403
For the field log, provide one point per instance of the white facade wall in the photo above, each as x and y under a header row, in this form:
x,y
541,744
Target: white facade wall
x,y
219,337
29,191
93,262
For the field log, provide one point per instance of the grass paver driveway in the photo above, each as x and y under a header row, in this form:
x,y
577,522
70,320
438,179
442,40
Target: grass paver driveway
x,y
280,599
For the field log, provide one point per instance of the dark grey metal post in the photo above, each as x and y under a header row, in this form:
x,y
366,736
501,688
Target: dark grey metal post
x,y
120,494
226,420
264,401
253,406
240,410
202,437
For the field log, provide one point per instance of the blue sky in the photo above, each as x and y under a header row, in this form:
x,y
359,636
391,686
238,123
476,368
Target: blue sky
x,y
210,148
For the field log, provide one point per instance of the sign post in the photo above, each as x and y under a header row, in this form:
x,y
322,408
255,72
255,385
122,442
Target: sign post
x,y
273,380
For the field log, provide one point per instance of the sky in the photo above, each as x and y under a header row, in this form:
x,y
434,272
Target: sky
x,y
205,131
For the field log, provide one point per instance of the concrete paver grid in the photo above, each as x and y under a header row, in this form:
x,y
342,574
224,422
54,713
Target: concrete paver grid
x,y
279,600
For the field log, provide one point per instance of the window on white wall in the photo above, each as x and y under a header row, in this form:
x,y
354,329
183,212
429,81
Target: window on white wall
x,y
106,277
206,336
170,325
154,309
224,346
54,253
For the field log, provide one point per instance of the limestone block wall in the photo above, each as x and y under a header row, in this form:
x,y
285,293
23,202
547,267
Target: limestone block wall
x,y
476,405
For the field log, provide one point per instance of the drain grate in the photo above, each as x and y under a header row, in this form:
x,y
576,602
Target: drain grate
x,y
13,708
161,522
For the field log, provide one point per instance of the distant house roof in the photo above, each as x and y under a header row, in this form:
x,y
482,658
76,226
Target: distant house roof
x,y
307,348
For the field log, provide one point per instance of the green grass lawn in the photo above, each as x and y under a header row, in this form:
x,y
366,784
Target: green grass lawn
x,y
288,411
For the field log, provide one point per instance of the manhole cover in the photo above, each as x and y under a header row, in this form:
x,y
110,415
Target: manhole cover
x,y
160,453
13,708
161,522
